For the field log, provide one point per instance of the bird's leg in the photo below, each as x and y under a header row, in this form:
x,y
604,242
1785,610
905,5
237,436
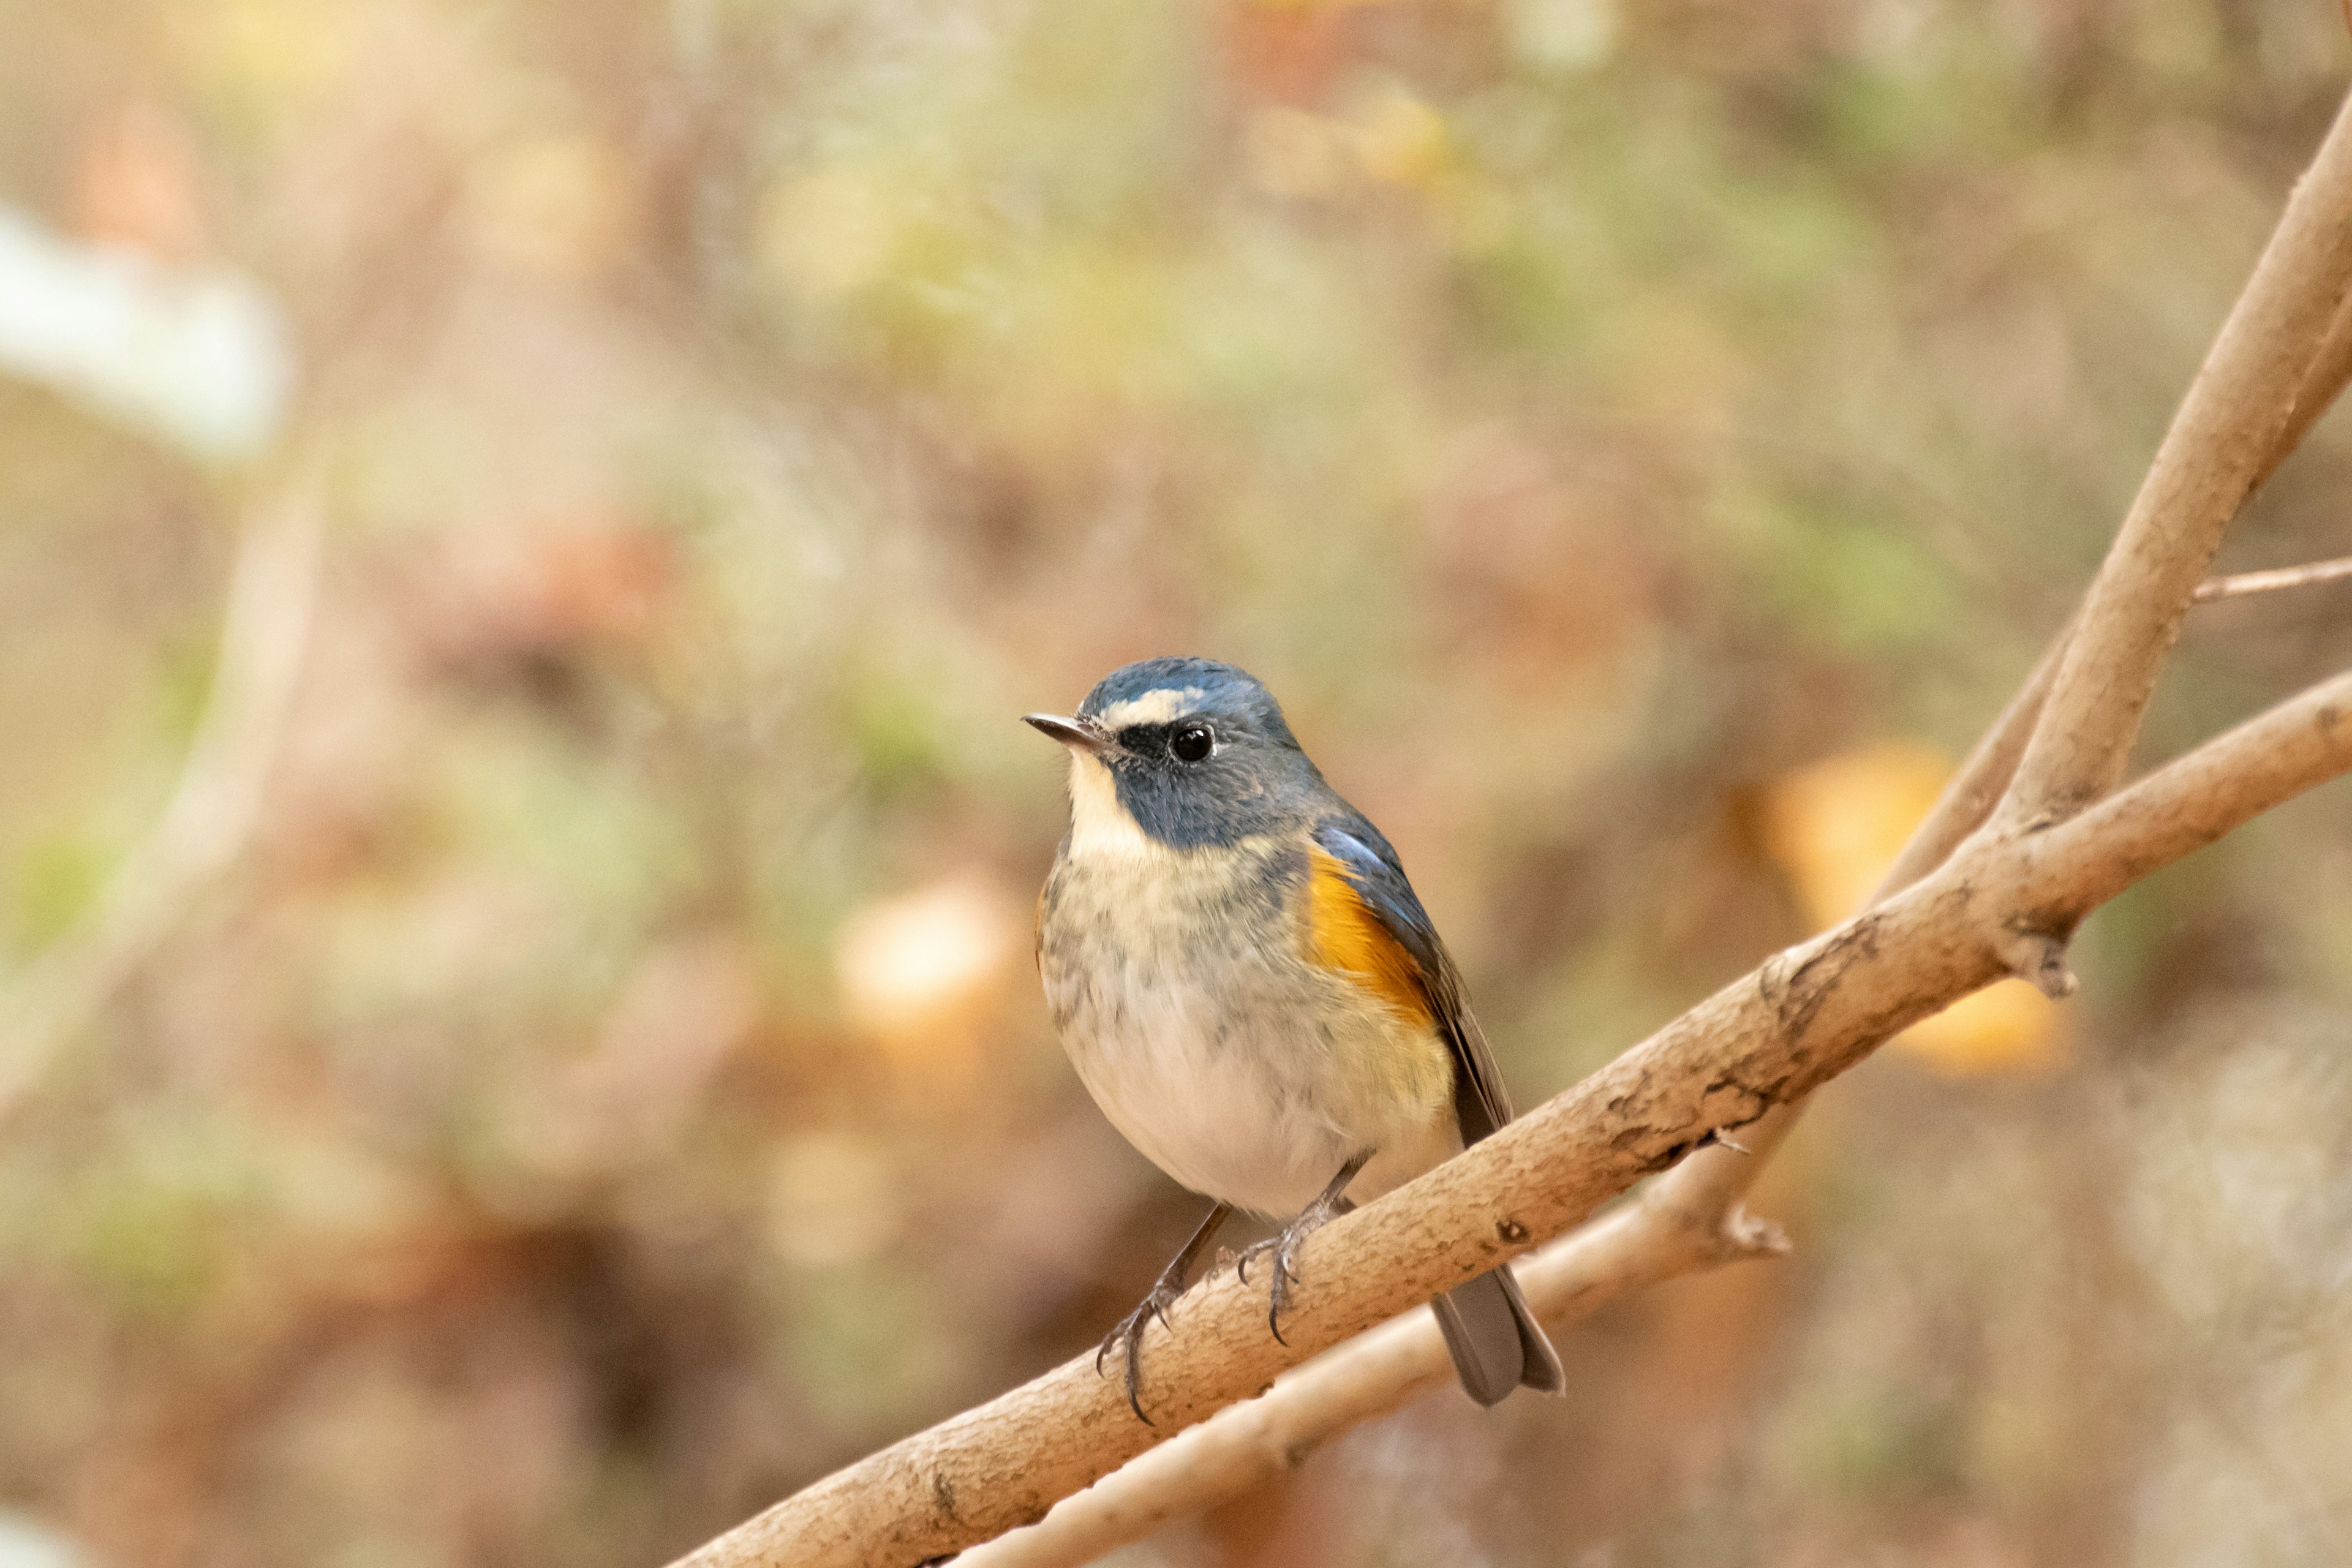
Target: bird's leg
x,y
1286,1243
1156,1303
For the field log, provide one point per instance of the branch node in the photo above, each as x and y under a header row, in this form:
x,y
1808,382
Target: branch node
x,y
1744,1235
2039,959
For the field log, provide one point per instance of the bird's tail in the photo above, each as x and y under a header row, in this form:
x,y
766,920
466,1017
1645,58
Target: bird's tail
x,y
1496,1342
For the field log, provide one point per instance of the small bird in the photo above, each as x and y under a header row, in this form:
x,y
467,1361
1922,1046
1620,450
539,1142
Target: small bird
x,y
1251,992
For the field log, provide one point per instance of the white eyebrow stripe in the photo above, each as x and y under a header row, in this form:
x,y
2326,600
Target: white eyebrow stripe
x,y
1151,708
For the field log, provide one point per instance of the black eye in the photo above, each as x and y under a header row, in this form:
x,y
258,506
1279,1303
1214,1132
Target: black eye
x,y
1192,743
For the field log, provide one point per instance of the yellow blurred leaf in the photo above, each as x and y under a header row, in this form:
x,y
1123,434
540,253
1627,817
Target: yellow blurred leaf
x,y
2006,1027
267,53
826,236
1834,828
562,206
1400,140
1389,137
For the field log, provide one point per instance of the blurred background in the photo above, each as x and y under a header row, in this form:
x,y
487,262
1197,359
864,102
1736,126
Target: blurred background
x,y
525,530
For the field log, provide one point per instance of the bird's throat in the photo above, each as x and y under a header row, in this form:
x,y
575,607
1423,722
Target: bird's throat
x,y
1101,827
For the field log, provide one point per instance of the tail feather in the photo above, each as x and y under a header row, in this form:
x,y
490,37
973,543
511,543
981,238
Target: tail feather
x,y
1495,1342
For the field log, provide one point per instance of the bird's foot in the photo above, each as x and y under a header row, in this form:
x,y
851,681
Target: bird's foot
x,y
1127,1338
1282,1247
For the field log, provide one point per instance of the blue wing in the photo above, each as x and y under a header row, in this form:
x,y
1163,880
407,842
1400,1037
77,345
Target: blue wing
x,y
1373,869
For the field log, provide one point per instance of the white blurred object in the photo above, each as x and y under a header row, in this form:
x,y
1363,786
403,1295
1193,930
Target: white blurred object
x,y
25,1543
1562,35
199,355
907,962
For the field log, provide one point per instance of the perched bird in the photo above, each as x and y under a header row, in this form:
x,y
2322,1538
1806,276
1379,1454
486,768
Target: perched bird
x,y
1252,993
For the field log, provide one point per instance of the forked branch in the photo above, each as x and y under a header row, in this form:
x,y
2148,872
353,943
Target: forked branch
x,y
2289,335
1998,886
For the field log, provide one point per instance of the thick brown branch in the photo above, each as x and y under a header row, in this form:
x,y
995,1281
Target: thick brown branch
x,y
1671,1228
1982,779
2192,801
1687,1219
2330,368
1806,1015
2273,360
2003,902
1667,1232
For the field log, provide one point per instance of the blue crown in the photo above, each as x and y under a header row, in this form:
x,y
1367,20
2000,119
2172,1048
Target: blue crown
x,y
1223,690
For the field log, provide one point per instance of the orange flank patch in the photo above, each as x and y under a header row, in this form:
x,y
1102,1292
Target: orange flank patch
x,y
1342,934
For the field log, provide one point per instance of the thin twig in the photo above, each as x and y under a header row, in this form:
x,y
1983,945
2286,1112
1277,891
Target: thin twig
x,y
2243,582
210,817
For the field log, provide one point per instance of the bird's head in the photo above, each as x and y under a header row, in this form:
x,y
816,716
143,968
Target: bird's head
x,y
1177,753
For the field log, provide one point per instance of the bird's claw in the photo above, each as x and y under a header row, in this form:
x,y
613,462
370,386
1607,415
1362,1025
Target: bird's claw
x,y
1282,1247
1127,1338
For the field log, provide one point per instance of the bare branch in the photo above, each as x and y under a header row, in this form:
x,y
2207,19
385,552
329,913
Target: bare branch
x,y
2271,361
2191,801
1669,1229
1968,799
2038,957
1651,1239
1991,902
1688,1219
213,808
2306,576
1806,1015
2330,368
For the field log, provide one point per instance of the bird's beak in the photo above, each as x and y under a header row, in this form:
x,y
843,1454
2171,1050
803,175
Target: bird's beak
x,y
1076,733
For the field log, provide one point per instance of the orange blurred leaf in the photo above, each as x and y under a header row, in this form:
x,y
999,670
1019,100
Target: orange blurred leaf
x,y
1833,827
135,185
